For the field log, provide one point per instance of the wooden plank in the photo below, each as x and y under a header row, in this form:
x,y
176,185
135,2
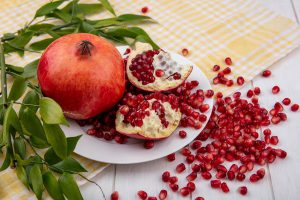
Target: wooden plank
x,y
283,7
296,8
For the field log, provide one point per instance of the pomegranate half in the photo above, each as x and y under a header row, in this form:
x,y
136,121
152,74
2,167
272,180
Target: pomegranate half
x,y
151,117
83,73
154,70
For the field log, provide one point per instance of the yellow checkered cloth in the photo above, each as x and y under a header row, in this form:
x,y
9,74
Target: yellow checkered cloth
x,y
251,35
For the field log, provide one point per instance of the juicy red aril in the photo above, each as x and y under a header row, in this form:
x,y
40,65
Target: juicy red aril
x,y
254,178
230,175
209,93
171,157
152,198
229,83
243,190
215,183
184,191
180,168
204,107
219,95
192,176
142,194
182,134
206,175
185,152
228,61
294,107
240,177
174,187
190,159
114,196
286,101
199,198
196,145
266,73
234,168
256,90
274,140
261,172
159,73
224,187
165,176
216,68
220,175
275,89
173,179
91,131
124,110
176,76
240,80
185,52
278,107
149,144
163,194
250,93
191,186
128,50
267,132
227,70
144,9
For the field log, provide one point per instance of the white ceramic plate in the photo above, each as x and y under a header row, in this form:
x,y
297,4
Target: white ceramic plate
x,y
133,151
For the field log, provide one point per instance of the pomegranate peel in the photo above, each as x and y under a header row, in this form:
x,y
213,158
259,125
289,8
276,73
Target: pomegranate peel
x,y
162,73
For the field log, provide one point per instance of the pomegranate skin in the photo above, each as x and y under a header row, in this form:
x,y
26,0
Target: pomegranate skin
x,y
83,85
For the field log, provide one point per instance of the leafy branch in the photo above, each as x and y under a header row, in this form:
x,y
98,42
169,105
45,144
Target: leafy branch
x,y
37,123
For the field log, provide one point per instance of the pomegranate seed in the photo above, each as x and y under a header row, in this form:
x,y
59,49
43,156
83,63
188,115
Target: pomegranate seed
x,y
234,168
209,93
294,107
176,76
216,68
165,176
242,169
192,176
280,153
199,198
228,61
243,190
180,168
206,175
240,177
250,166
229,83
144,9
163,194
266,73
152,198
220,175
215,183
184,191
185,152
124,110
219,95
91,131
286,101
191,186
256,90
274,140
196,145
275,89
261,172
159,73
142,194
278,107
174,187
254,178
227,70
173,179
250,93
171,157
190,159
128,50
240,80
230,175
149,144
182,134
114,195
267,132
196,168
185,52
224,187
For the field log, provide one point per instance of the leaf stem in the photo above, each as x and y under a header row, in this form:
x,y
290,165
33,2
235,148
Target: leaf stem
x,y
82,176
3,76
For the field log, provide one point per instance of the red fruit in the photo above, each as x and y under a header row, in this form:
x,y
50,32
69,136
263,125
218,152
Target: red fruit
x,y
254,178
220,175
274,140
294,107
75,80
142,194
228,61
224,187
182,134
216,68
173,179
240,80
250,93
215,183
286,101
149,144
266,73
240,177
180,168
184,191
199,198
243,190
163,194
159,73
230,175
191,186
171,157
256,90
196,144
185,152
234,168
227,70
144,9
206,175
261,173
229,83
165,176
91,131
275,89
185,52
192,176
267,132
152,198
114,195
174,187
209,93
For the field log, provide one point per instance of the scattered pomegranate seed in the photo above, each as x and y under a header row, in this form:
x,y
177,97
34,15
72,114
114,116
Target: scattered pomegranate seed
x,y
184,191
266,73
275,89
254,178
159,73
192,176
182,134
180,168
191,186
227,70
230,175
234,168
171,157
256,90
240,80
250,93
190,159
163,194
185,152
240,177
144,9
215,183
196,144
294,107
228,61
224,187
199,198
261,172
267,132
91,131
206,175
165,176
149,144
219,95
128,50
142,194
152,198
185,52
114,195
229,83
243,190
274,140
286,101
174,187
209,93
173,179
216,68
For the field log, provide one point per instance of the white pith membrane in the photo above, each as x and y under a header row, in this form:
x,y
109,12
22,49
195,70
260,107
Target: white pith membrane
x,y
162,61
152,128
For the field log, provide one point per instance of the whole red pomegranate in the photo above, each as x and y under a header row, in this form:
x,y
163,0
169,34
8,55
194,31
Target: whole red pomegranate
x,y
83,73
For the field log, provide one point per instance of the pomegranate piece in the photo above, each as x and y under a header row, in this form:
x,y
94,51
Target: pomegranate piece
x,y
171,157
165,176
151,117
182,134
228,61
295,107
154,70
275,89
184,191
180,168
286,101
114,195
144,9
240,80
185,51
224,187
163,194
266,73
215,183
243,190
142,194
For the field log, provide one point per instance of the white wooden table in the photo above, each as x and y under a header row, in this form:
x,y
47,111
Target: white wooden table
x,y
282,181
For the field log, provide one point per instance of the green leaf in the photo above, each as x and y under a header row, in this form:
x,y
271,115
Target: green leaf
x,y
40,27
51,157
88,9
17,90
143,36
36,179
57,139
8,36
21,40
51,112
10,119
69,187
86,27
47,8
105,22
15,68
41,45
20,147
32,98
39,143
66,17
52,186
72,142
32,125
107,6
6,161
70,164
133,17
21,174
30,69
121,32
